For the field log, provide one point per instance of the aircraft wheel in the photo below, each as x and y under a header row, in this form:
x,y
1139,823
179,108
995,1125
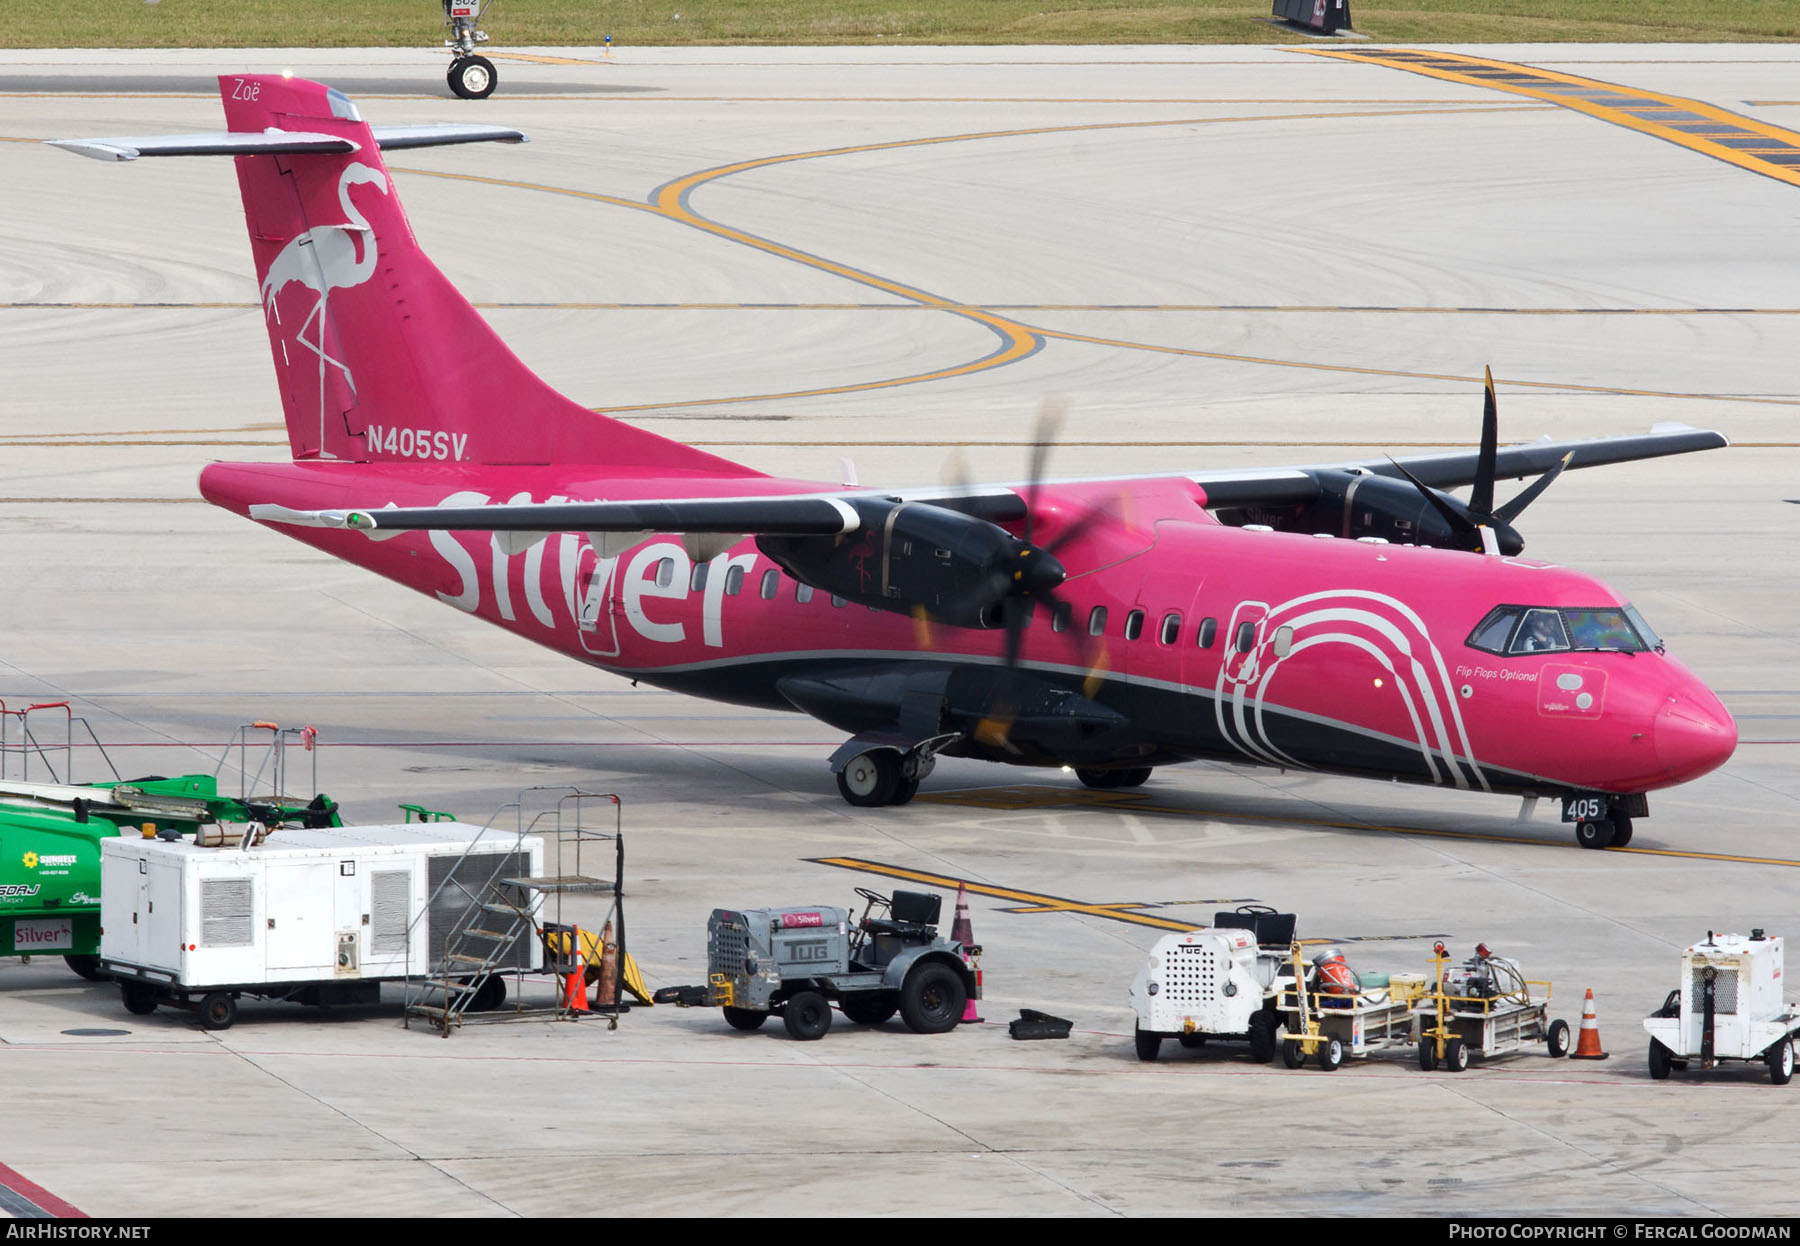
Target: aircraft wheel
x,y
1131,778
1594,834
870,779
1621,831
473,77
904,791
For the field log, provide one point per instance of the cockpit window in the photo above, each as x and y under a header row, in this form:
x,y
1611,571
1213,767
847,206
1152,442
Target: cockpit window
x,y
1541,629
1491,633
1644,631
1541,632
1602,629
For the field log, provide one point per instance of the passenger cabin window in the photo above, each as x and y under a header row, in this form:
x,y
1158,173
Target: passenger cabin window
x,y
1246,637
771,583
1209,631
1284,641
665,573
802,593
1134,625
837,603
697,581
1171,627
734,581
1097,621
1060,616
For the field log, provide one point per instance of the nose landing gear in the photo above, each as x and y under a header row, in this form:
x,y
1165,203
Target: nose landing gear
x,y
1604,821
471,77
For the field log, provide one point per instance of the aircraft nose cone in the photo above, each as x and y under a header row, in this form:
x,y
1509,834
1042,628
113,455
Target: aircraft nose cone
x,y
1693,734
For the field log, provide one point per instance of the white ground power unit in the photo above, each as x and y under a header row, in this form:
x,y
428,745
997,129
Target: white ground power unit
x,y
1727,1006
1208,983
310,916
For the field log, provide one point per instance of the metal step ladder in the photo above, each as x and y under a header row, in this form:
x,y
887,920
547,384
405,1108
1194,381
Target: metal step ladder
x,y
484,946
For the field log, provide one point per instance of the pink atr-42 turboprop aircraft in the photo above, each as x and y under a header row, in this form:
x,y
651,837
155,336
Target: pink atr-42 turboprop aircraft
x,y
1349,618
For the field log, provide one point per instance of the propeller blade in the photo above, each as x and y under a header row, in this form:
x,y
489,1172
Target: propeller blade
x,y
1510,512
1458,523
1081,522
1481,495
1049,426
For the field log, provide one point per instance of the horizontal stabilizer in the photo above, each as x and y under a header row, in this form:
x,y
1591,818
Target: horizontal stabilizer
x,y
269,142
274,142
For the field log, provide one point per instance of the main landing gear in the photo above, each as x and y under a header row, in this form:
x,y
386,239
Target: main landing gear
x,y
1136,776
883,776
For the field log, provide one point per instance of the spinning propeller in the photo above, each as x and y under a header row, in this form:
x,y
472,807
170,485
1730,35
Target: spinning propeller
x,y
1467,520
1033,575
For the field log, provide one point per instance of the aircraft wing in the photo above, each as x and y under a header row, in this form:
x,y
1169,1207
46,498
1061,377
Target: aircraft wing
x,y
1287,486
808,514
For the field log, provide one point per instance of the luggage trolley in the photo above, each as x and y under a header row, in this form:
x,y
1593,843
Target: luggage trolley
x,y
1331,1027
1484,1006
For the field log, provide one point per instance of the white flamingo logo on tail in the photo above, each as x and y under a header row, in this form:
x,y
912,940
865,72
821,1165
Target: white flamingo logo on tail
x,y
323,259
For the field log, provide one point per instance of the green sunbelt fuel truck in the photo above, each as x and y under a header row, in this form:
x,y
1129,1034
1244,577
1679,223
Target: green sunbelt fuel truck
x,y
50,837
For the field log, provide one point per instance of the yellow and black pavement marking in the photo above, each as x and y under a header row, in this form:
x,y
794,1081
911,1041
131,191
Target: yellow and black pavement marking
x,y
1028,901
1706,128
1122,911
1048,796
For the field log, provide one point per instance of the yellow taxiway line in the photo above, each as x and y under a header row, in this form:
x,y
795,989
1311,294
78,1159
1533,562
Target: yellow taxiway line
x,y
1705,128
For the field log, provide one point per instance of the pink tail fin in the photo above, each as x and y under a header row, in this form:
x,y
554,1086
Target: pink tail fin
x,y
378,356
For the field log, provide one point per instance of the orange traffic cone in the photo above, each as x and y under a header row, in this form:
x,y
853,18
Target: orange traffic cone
x,y
1588,1048
575,981
964,933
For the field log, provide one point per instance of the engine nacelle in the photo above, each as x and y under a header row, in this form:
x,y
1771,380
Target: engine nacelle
x,y
911,554
1362,504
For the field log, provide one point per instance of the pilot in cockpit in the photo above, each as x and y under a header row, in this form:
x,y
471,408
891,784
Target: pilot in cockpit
x,y
1540,633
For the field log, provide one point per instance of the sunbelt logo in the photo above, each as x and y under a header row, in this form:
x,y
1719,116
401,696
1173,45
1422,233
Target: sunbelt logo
x,y
49,861
31,860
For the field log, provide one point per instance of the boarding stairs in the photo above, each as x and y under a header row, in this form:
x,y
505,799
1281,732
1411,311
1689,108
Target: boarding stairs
x,y
500,911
